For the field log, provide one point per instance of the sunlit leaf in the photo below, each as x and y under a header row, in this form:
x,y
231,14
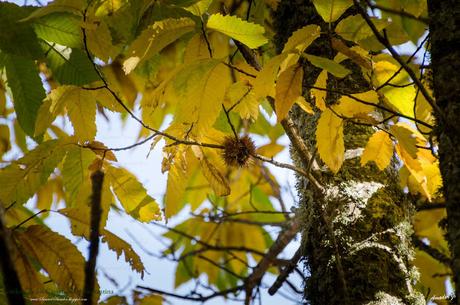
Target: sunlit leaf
x,y
329,139
248,33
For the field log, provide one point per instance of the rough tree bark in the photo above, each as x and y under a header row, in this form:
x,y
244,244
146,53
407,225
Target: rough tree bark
x,y
445,61
366,210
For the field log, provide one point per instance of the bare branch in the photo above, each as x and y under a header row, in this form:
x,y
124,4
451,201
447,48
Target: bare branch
x,y
282,277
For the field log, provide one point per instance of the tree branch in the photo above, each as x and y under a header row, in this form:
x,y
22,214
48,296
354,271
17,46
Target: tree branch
x,y
97,178
11,282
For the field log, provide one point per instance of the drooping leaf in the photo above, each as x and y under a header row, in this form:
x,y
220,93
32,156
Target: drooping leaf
x,y
76,173
250,34
302,38
329,140
331,10
129,191
57,255
215,178
199,91
320,95
405,138
379,149
27,89
99,40
264,84
120,246
288,89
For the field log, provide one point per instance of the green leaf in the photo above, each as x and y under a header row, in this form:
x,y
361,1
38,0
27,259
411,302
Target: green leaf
x,y
62,28
23,178
27,90
75,173
250,34
355,28
331,10
17,37
329,65
69,66
58,6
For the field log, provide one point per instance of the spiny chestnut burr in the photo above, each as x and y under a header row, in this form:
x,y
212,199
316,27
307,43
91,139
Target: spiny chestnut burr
x,y
237,151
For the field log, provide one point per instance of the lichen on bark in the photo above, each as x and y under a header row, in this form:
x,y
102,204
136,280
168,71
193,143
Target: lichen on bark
x,y
368,213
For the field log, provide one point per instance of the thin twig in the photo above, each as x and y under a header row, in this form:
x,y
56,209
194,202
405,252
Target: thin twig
x,y
398,12
282,277
384,40
221,293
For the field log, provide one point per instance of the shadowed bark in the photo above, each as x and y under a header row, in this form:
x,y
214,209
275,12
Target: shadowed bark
x,y
445,62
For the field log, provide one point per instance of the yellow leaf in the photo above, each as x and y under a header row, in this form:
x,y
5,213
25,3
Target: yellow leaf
x,y
264,84
196,49
288,89
433,274
216,180
320,95
62,261
302,38
406,138
120,246
100,41
330,66
82,114
250,34
424,112
270,150
129,191
379,149
349,107
199,91
331,10
401,99
175,189
240,98
329,140
156,38
80,225
304,105
52,106
150,300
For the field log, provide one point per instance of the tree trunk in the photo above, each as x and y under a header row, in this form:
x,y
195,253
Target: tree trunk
x,y
357,244
445,62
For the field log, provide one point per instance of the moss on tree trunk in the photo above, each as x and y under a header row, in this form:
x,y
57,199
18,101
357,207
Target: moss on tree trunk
x,y
365,208
445,62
